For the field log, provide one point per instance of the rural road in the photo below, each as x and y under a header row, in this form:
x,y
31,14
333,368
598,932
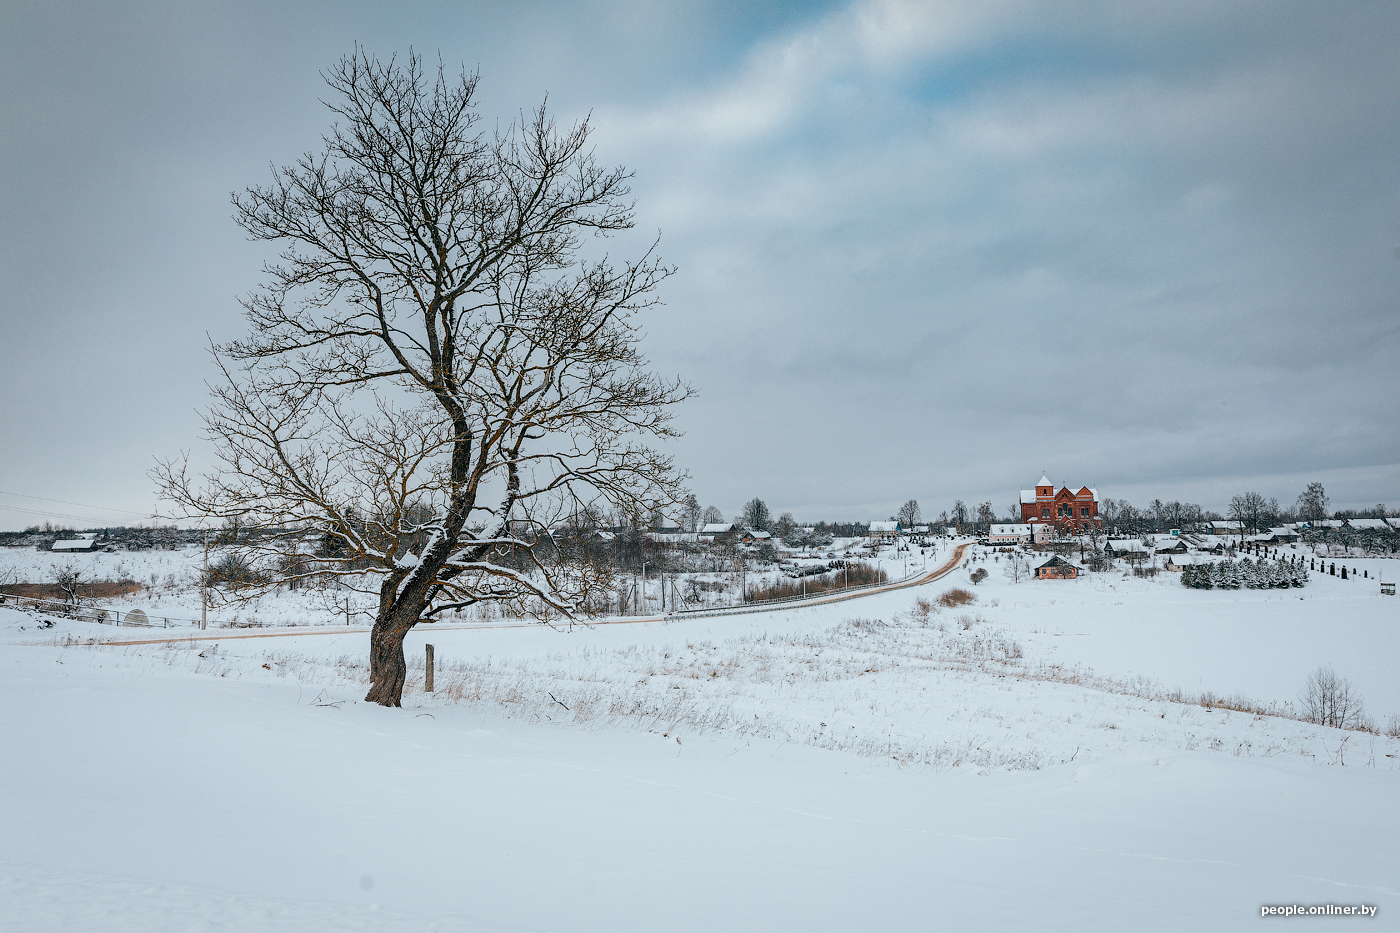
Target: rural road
x,y
937,573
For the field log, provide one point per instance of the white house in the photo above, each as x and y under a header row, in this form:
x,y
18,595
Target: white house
x,y
883,529
1009,534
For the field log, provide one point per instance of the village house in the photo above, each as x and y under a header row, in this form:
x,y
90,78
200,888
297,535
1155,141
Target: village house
x,y
84,545
1056,568
883,531
1009,534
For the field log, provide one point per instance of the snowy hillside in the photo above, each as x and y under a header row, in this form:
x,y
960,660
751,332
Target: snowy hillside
x,y
1018,761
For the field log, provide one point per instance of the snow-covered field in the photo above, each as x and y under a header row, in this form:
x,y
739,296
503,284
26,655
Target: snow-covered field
x,y
1009,764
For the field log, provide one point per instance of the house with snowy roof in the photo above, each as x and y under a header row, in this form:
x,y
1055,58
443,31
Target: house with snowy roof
x,y
1009,534
1057,568
883,530
83,545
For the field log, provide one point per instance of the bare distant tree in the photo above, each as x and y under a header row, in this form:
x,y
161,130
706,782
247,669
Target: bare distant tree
x,y
1330,700
756,515
1013,512
434,377
712,516
786,526
690,512
66,578
1017,569
1251,510
909,515
959,514
1312,503
985,516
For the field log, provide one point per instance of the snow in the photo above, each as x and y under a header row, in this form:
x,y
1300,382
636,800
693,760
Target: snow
x,y
1009,764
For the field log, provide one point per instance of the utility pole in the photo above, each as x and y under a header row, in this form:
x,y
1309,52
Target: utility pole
x,y
204,587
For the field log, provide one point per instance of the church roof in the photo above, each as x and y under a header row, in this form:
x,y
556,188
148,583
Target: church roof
x,y
1045,481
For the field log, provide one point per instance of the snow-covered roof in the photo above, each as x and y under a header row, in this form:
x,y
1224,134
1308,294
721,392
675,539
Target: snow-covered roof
x,y
1233,526
75,544
717,528
1011,529
1045,481
887,527
1058,561
1121,547
1027,496
759,535
1369,524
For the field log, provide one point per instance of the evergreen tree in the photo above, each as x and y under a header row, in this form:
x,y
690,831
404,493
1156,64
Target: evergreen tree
x,y
1236,574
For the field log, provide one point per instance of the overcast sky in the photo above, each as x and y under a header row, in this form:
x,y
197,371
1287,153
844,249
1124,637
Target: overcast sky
x,y
926,250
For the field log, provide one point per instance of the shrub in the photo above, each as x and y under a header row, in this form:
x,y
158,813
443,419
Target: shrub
x,y
233,571
978,575
1329,699
955,598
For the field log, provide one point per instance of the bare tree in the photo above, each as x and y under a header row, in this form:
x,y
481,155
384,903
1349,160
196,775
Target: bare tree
x,y
434,376
712,516
1312,503
985,516
1330,700
1249,509
909,515
756,515
1017,569
959,514
66,578
690,513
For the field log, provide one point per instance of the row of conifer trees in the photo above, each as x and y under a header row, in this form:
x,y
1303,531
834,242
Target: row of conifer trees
x,y
1254,575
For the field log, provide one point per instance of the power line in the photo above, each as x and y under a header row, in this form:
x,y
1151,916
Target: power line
x,y
75,518
84,505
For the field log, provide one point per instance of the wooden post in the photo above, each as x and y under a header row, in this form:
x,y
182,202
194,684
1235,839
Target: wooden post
x,y
428,675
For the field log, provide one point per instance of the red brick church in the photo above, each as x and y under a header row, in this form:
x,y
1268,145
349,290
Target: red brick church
x,y
1067,510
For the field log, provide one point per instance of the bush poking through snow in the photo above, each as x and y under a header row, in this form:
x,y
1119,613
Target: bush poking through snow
x,y
978,575
955,598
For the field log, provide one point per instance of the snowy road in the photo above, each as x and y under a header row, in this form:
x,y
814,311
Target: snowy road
x,y
937,573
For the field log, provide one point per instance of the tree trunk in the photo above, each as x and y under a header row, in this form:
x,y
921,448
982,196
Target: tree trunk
x,y
387,667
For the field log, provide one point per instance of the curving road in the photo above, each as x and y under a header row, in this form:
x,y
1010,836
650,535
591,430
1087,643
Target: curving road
x,y
839,596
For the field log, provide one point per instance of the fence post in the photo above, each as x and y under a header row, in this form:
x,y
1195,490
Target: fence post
x,y
428,676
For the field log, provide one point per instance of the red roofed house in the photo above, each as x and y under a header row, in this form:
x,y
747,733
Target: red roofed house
x,y
1067,509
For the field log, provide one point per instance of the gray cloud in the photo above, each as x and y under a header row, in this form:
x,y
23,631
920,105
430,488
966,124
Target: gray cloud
x,y
925,250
